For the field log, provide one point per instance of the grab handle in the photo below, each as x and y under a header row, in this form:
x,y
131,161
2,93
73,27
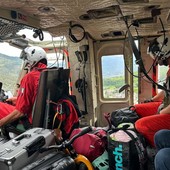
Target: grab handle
x,y
17,140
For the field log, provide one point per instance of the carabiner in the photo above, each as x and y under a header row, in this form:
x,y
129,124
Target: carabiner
x,y
59,109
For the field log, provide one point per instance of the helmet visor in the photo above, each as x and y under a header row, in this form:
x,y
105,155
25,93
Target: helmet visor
x,y
23,55
150,53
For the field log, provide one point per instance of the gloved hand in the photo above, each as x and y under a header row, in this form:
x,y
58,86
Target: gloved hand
x,y
12,101
147,101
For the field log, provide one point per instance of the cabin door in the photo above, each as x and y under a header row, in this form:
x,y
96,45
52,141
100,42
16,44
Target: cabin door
x,y
114,69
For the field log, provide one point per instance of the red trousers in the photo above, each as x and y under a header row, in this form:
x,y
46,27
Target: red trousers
x,y
5,109
151,122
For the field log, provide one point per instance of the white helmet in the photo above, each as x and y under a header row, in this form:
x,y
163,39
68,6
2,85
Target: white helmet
x,y
159,48
32,55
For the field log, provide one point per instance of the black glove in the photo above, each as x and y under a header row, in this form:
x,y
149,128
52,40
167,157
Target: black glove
x,y
147,101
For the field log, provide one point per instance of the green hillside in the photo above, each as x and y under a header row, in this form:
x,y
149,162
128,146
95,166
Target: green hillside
x,y
9,70
10,67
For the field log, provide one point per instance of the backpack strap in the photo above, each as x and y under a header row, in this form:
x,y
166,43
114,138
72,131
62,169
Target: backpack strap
x,y
139,147
59,112
72,99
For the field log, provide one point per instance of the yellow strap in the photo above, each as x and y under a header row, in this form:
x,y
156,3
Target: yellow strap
x,y
81,158
60,122
49,101
55,119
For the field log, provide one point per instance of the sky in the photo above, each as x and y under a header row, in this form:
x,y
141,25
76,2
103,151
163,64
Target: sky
x,y
6,49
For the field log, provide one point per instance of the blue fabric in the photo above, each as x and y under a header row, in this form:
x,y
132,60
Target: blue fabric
x,y
162,142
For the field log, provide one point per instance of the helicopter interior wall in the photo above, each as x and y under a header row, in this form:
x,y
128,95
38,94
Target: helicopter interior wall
x,y
145,87
77,73
97,107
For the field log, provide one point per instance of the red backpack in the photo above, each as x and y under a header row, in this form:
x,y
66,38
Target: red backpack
x,y
66,117
92,144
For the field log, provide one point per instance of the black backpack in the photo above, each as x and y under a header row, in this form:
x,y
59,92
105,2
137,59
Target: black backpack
x,y
124,115
129,155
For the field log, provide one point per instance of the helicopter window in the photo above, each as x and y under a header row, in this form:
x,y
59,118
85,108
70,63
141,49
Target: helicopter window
x,y
10,66
113,76
56,60
162,70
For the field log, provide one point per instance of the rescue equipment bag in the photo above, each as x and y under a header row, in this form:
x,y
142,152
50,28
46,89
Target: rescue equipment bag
x,y
126,150
124,115
66,117
92,145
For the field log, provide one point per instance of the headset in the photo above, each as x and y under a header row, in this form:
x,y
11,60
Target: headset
x,y
72,37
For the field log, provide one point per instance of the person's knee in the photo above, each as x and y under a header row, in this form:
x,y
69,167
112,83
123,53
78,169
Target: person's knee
x,y
162,139
140,126
157,160
159,135
162,159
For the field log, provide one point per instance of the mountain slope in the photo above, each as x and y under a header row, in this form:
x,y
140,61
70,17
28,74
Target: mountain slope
x,y
9,70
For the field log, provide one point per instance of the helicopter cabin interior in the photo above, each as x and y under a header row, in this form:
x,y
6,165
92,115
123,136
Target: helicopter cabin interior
x,y
102,43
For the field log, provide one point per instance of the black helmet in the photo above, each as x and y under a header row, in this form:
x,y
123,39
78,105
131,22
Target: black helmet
x,y
159,49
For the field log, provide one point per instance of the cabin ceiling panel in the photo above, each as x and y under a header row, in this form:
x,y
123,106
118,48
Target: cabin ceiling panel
x,y
55,15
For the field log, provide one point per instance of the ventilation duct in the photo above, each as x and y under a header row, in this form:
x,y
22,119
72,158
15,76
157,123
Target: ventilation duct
x,y
104,12
112,34
125,18
133,1
105,35
148,20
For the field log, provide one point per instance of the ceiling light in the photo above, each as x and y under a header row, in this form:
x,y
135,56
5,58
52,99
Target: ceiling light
x,y
46,9
85,17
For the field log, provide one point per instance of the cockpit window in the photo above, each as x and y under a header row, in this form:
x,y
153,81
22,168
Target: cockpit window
x,y
10,66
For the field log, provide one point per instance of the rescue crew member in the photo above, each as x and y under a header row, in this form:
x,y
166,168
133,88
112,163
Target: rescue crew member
x,y
36,61
154,115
